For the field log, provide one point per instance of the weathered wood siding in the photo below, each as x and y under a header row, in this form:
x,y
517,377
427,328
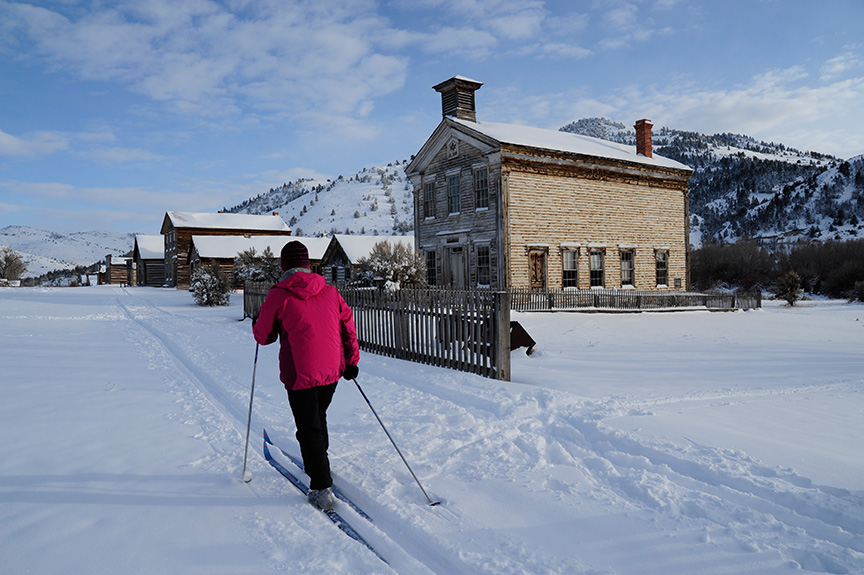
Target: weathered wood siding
x,y
471,226
177,254
151,272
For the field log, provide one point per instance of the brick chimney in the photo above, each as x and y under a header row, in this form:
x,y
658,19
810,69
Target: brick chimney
x,y
643,138
457,97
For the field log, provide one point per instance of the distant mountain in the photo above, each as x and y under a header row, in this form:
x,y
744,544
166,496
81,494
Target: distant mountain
x,y
740,187
745,188
375,201
46,251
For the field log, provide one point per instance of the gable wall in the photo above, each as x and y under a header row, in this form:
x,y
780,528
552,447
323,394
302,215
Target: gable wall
x,y
471,226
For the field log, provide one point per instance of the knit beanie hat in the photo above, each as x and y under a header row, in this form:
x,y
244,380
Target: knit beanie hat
x,y
294,255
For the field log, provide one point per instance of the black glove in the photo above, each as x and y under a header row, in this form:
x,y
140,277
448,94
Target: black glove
x,y
351,372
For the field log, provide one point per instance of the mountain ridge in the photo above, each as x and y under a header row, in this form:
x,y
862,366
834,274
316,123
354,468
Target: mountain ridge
x,y
740,188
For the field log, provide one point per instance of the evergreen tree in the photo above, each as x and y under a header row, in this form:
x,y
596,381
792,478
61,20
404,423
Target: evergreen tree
x,y
789,287
210,286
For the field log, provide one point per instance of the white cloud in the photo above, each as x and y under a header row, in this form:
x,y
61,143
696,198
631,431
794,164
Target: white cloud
x,y
117,155
204,58
778,105
573,51
35,144
44,190
840,65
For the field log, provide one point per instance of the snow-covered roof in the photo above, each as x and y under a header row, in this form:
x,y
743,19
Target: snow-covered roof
x,y
230,246
555,140
227,221
357,247
150,247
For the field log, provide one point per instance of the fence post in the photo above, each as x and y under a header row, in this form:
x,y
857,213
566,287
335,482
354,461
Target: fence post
x,y
502,334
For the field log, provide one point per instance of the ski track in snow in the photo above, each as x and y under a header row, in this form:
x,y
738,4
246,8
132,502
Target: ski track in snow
x,y
500,433
222,414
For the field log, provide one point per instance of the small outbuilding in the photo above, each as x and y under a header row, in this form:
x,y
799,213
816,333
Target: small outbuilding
x,y
339,263
207,250
148,257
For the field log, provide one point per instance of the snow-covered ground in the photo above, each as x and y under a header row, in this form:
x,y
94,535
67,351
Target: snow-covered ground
x,y
666,443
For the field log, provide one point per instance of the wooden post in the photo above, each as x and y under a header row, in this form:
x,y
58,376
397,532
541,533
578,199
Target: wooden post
x,y
502,334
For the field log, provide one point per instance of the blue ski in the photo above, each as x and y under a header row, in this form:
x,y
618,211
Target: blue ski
x,y
336,491
337,519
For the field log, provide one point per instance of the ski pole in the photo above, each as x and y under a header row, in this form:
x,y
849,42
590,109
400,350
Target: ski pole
x,y
248,477
394,445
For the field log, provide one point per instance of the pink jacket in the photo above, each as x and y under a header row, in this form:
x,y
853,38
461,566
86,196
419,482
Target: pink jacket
x,y
315,328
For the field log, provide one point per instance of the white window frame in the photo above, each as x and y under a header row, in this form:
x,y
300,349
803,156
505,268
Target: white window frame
x,y
429,202
487,266
574,281
481,192
601,252
632,270
454,200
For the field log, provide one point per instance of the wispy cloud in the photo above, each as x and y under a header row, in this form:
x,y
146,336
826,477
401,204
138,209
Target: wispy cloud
x,y
205,58
841,65
34,144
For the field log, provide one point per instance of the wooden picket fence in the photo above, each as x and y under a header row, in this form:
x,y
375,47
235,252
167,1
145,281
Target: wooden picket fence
x,y
627,300
469,330
462,330
253,297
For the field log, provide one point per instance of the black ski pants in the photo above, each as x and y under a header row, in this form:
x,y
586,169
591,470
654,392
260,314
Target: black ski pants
x,y
309,407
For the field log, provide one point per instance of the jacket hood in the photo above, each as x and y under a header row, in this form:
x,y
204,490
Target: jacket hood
x,y
303,285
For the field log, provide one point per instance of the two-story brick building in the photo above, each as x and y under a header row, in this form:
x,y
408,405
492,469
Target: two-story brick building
x,y
510,206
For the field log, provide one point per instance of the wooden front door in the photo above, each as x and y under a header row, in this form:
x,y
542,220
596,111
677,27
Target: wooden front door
x,y
537,269
456,267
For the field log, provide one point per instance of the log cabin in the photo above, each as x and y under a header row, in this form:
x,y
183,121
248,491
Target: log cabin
x,y
339,263
505,206
222,250
179,227
148,257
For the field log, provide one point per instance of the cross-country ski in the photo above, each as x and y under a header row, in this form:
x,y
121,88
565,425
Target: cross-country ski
x,y
273,455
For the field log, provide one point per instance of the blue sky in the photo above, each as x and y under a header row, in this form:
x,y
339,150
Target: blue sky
x,y
112,113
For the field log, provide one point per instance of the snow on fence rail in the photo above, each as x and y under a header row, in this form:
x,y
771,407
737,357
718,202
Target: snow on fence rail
x,y
528,300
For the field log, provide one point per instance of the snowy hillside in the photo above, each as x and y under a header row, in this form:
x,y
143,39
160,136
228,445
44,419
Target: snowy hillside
x,y
745,188
374,201
46,251
727,443
740,188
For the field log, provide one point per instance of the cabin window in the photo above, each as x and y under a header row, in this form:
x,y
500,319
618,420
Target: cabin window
x,y
662,258
483,266
596,258
431,269
627,268
481,188
454,195
429,200
570,265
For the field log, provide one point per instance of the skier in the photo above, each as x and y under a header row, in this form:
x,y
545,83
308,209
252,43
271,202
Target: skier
x,y
318,345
